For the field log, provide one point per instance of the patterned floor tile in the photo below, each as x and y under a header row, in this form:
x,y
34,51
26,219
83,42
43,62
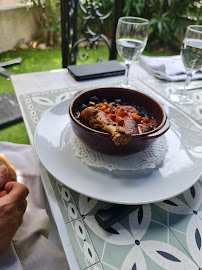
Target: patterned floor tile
x,y
185,220
66,204
86,205
82,244
133,238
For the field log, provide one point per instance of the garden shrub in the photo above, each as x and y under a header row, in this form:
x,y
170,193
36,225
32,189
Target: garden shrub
x,y
168,19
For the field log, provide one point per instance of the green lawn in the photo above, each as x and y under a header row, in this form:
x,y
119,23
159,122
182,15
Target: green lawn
x,y
34,60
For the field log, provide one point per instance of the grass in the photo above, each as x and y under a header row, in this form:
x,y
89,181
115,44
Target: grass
x,y
35,60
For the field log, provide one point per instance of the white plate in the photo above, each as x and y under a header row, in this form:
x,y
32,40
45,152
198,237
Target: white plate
x,y
180,170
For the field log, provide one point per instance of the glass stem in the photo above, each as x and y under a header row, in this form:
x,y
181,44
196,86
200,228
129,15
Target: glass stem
x,y
127,72
187,82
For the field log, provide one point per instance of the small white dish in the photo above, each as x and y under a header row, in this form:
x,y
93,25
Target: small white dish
x,y
180,169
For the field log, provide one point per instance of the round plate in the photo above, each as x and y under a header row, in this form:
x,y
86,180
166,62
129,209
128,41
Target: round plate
x,y
180,169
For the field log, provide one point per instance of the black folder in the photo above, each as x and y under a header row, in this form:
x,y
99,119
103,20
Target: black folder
x,y
96,70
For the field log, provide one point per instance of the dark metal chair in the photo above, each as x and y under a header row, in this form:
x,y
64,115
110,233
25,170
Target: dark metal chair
x,y
90,37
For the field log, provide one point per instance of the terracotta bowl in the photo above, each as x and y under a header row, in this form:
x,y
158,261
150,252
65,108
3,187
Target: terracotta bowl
x,y
101,141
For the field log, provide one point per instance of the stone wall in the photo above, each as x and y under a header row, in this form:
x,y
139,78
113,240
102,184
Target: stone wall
x,y
16,24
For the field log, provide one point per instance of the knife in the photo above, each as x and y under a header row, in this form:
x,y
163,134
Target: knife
x,y
107,217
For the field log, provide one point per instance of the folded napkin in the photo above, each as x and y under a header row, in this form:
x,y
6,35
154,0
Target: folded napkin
x,y
168,68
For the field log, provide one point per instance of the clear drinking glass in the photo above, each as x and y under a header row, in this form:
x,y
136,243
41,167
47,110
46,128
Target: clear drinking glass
x,y
131,39
191,54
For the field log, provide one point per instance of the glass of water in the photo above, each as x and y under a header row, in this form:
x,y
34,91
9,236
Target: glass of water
x,y
191,54
131,39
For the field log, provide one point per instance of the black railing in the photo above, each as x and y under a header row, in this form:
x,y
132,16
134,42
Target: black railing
x,y
88,35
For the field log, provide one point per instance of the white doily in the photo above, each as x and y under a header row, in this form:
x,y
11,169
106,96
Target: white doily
x,y
146,159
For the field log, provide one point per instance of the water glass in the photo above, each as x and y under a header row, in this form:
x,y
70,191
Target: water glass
x,y
191,54
131,39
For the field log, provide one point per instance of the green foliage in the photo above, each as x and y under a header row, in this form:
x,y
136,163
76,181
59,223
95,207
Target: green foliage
x,y
52,15
168,20
48,18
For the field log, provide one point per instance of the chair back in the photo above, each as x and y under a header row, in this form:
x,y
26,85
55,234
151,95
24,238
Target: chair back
x,y
84,25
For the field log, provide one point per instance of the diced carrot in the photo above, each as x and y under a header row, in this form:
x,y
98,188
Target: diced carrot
x,y
108,111
120,112
112,116
119,120
103,108
137,117
111,104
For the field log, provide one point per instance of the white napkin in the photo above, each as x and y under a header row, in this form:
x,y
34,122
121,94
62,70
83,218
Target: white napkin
x,y
168,68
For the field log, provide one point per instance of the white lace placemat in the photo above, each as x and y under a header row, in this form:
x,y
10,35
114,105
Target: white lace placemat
x,y
146,159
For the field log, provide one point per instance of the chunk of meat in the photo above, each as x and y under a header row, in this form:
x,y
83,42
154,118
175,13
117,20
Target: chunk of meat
x,y
95,118
128,109
130,125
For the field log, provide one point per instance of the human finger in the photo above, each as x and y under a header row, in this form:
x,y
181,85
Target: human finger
x,y
3,193
17,192
11,176
4,160
22,207
3,174
6,174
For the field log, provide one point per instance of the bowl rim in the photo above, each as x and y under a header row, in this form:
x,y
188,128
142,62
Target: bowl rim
x,y
105,134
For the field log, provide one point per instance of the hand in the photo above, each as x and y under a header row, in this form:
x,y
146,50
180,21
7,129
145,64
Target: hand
x,y
13,204
7,171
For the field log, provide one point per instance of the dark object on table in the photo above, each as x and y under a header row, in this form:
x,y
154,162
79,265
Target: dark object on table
x,y
9,109
107,217
5,72
102,141
96,70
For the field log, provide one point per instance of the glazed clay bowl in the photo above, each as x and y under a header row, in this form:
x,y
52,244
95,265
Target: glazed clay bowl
x,y
102,141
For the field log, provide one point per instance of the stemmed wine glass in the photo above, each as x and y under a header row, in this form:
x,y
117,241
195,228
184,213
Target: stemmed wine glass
x,y
131,39
191,54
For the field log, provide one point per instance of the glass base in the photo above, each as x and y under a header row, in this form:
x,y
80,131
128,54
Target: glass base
x,y
180,99
131,84
125,85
